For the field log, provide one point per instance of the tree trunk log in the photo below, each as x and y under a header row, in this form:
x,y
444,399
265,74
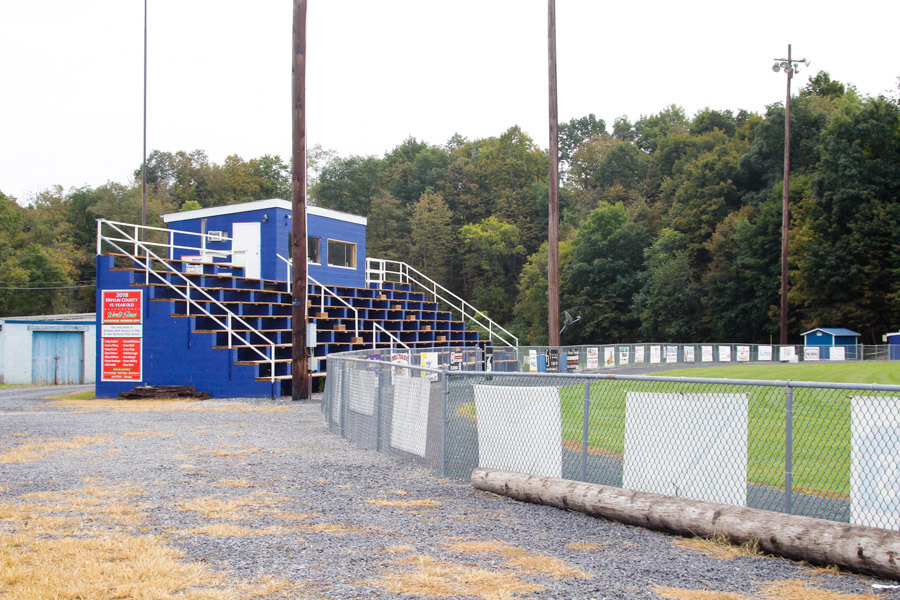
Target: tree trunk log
x,y
856,548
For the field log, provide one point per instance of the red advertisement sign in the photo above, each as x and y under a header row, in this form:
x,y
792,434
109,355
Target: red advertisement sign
x,y
121,307
121,359
121,327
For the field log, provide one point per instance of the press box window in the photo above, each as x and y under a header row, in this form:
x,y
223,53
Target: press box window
x,y
312,250
341,254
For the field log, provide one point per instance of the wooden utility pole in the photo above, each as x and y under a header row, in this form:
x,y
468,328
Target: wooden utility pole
x,y
789,66
553,221
299,361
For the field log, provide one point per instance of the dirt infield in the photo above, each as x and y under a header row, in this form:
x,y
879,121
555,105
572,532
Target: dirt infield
x,y
256,499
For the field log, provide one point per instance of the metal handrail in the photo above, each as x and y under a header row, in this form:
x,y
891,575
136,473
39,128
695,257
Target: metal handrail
x,y
464,307
309,278
390,335
190,285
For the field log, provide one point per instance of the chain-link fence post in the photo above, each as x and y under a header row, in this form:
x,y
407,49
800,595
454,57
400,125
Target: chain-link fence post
x,y
379,401
445,418
788,449
585,429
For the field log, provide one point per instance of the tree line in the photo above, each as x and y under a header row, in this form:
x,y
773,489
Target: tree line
x,y
670,225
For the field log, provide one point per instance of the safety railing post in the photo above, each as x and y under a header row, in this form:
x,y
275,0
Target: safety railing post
x,y
445,419
788,448
585,429
228,327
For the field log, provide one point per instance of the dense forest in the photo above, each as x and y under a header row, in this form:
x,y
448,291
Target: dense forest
x,y
670,225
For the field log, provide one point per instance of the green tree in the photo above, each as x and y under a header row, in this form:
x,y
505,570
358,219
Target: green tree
x,y
531,303
387,232
348,184
669,301
846,228
574,133
650,130
431,238
492,259
603,275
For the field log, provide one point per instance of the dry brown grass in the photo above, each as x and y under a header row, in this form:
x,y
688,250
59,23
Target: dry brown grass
x,y
59,544
235,509
586,546
38,448
426,576
143,434
775,590
719,547
398,549
535,564
234,482
405,503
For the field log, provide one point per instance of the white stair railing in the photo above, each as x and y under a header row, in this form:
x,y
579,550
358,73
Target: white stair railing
x,y
309,278
376,326
378,269
145,262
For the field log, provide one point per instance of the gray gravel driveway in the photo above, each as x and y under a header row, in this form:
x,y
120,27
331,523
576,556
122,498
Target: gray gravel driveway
x,y
260,495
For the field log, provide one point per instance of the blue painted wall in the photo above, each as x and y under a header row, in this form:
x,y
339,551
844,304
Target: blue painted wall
x,y
823,338
172,354
275,228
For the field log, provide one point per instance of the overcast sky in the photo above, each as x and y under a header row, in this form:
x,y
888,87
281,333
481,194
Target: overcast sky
x,y
380,71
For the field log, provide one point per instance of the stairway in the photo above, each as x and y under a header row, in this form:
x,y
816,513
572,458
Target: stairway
x,y
178,334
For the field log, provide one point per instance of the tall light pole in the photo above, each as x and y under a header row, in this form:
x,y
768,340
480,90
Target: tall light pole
x,y
553,217
144,161
789,66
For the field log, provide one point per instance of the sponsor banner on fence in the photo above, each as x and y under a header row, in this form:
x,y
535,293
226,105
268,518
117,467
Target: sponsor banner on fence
x,y
724,353
837,353
875,462
519,429
810,353
764,353
623,355
655,354
743,353
706,353
671,354
639,354
787,353
593,358
687,445
609,357
688,354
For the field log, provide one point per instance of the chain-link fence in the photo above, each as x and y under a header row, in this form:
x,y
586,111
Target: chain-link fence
x,y
576,359
830,451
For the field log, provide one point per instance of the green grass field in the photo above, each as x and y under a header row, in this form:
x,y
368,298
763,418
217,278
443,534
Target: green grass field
x,y
821,432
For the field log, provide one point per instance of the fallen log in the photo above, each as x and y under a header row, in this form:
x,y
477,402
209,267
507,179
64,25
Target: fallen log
x,y
857,548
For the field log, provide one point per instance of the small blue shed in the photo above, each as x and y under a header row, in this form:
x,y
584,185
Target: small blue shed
x,y
893,342
827,337
260,231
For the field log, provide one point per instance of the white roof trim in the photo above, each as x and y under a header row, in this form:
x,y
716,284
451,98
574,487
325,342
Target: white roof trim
x,y
203,213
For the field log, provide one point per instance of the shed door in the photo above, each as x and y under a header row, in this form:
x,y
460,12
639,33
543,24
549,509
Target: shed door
x,y
246,241
57,357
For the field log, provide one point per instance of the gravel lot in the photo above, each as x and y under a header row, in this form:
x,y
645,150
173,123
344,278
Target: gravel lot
x,y
261,491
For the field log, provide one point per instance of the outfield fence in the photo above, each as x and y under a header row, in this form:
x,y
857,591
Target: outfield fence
x,y
823,450
576,359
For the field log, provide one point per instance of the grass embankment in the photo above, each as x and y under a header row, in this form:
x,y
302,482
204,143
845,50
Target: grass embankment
x,y
821,432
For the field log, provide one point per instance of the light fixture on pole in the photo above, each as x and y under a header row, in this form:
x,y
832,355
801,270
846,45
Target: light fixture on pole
x,y
789,66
